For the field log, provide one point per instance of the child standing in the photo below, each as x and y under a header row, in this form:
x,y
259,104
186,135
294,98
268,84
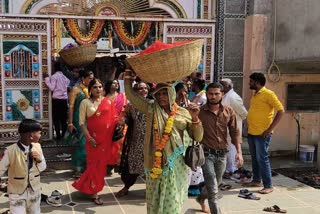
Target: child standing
x,y
24,161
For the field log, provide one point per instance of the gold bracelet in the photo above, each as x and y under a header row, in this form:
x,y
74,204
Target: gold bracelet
x,y
70,124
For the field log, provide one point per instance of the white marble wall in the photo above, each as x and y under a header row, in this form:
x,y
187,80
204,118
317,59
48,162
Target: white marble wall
x,y
15,6
190,7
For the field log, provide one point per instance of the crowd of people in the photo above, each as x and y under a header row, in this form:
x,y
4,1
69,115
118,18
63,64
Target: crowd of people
x,y
144,130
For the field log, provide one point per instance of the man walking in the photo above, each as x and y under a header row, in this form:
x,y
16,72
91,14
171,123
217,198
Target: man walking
x,y
260,126
232,99
216,119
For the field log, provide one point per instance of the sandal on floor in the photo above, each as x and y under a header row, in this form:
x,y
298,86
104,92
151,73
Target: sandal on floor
x,y
97,200
246,194
250,196
123,192
275,209
224,187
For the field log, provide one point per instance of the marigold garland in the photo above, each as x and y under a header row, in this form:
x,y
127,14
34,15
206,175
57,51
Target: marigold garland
x,y
161,143
132,40
81,38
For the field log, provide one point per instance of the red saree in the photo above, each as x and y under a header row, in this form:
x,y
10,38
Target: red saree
x,y
100,126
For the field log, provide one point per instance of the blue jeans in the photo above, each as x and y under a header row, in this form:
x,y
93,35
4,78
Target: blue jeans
x,y
261,168
213,170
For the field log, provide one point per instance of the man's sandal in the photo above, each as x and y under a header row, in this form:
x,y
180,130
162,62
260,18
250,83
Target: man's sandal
x,y
97,200
275,209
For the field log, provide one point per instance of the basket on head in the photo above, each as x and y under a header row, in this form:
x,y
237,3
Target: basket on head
x,y
169,64
78,56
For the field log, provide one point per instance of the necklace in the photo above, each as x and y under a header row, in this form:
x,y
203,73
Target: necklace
x,y
161,143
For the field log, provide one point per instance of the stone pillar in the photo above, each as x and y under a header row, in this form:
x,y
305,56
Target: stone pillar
x,y
255,49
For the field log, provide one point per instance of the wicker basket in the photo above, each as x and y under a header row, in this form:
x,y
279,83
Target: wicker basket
x,y
168,65
78,56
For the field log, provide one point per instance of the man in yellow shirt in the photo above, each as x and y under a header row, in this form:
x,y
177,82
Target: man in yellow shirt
x,y
261,122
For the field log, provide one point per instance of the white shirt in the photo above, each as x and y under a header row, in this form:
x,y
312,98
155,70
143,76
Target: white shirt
x,y
233,100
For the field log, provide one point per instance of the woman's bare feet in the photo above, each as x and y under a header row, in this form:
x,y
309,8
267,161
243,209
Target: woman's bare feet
x,y
123,192
204,208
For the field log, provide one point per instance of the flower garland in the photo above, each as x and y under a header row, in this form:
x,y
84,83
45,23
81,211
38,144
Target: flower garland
x,y
137,38
161,143
81,38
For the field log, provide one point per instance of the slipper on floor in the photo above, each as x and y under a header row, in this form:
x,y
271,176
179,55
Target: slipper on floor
x,y
224,187
250,196
275,209
246,194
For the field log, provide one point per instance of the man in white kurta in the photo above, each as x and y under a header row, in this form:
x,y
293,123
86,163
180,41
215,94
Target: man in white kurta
x,y
231,98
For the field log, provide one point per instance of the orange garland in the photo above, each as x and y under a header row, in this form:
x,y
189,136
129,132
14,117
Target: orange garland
x,y
79,36
132,40
161,143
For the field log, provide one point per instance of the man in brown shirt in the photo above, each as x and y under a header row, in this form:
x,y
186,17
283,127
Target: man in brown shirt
x,y
216,120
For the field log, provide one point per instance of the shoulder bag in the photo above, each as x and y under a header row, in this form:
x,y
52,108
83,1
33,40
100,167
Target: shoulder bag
x,y
194,156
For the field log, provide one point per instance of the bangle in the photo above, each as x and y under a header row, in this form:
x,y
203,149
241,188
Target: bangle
x,y
70,124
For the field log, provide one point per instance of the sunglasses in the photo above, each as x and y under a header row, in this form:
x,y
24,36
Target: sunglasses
x,y
95,87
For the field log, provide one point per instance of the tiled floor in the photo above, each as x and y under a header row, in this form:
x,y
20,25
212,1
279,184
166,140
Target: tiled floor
x,y
289,194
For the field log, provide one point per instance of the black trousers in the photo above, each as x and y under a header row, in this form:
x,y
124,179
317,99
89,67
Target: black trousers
x,y
60,116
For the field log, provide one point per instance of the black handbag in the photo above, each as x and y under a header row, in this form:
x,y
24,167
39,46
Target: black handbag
x,y
194,156
117,133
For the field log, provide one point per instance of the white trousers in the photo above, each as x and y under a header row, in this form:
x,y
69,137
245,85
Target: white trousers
x,y
231,158
26,203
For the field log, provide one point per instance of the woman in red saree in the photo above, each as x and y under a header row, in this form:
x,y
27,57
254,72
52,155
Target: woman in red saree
x,y
100,114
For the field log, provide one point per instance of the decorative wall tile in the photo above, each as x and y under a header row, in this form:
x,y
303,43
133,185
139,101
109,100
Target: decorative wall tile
x,y
230,30
22,73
